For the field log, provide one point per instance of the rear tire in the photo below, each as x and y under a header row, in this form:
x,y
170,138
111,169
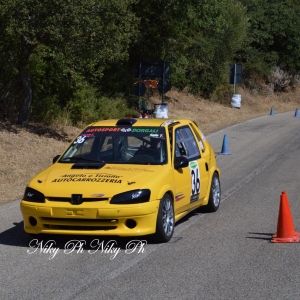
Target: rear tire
x,y
165,220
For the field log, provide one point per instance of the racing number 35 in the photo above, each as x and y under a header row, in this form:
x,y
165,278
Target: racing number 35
x,y
195,176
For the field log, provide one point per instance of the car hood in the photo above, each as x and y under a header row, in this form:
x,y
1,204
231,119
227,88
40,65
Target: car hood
x,y
60,180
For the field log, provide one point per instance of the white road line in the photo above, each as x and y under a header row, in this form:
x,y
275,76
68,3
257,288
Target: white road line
x,y
192,221
256,171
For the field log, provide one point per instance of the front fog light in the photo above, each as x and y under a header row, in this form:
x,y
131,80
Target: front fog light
x,y
32,221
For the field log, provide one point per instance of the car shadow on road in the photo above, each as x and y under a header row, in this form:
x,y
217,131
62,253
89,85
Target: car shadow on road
x,y
197,212
17,237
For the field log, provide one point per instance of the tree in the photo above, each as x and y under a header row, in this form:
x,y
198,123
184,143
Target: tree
x,y
273,38
198,37
81,37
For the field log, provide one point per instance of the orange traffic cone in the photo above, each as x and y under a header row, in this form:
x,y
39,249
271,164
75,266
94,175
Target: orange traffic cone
x,y
285,226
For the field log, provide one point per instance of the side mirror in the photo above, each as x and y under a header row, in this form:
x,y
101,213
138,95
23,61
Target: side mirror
x,y
55,158
181,162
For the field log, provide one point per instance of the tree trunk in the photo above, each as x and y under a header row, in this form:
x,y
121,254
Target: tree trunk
x,y
24,111
26,50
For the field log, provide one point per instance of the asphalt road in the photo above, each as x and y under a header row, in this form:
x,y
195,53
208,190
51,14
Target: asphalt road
x,y
223,255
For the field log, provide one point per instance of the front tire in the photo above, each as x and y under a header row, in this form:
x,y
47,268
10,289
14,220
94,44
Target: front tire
x,y
214,195
165,220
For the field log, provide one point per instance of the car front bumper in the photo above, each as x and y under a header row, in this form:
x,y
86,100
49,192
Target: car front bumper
x,y
84,219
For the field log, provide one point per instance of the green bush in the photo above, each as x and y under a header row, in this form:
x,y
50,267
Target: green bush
x,y
87,106
222,94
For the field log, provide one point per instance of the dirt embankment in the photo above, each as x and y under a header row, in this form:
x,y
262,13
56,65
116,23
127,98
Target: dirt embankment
x,y
26,151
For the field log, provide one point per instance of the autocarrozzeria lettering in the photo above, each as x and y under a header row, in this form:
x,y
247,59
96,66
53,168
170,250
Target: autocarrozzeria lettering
x,y
84,179
109,178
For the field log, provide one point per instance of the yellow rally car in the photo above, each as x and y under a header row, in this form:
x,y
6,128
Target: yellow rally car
x,y
127,177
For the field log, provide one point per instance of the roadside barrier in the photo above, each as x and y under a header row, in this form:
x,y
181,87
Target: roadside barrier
x,y
285,226
297,115
225,148
272,111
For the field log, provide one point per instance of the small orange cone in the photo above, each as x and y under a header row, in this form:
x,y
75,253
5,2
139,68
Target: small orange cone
x,y
285,226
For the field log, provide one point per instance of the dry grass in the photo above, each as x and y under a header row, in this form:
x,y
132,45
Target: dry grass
x,y
25,152
212,116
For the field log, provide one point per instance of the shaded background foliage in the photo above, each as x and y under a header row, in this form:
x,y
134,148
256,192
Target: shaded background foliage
x,y
75,59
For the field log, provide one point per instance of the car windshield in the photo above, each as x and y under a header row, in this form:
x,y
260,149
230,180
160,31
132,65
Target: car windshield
x,y
118,145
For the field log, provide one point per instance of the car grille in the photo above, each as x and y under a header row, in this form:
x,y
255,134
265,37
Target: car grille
x,y
72,227
79,224
62,199
80,220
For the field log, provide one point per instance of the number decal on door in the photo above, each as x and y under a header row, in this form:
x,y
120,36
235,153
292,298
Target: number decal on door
x,y
195,176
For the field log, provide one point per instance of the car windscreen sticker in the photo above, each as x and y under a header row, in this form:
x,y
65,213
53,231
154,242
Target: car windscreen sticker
x,y
145,130
80,140
103,129
195,176
132,130
126,129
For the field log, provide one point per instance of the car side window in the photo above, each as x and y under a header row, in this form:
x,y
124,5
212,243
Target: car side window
x,y
186,144
200,137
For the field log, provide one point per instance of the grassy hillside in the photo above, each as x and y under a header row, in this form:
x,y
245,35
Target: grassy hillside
x,y
26,151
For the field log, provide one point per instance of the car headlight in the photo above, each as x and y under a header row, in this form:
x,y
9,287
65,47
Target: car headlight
x,y
131,197
33,195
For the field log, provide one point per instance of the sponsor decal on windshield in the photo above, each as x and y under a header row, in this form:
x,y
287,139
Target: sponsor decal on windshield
x,y
91,135
80,139
104,129
146,130
126,129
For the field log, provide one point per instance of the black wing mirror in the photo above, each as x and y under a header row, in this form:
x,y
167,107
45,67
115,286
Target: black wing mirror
x,y
55,158
181,162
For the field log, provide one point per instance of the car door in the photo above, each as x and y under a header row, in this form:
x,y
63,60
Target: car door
x,y
191,181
